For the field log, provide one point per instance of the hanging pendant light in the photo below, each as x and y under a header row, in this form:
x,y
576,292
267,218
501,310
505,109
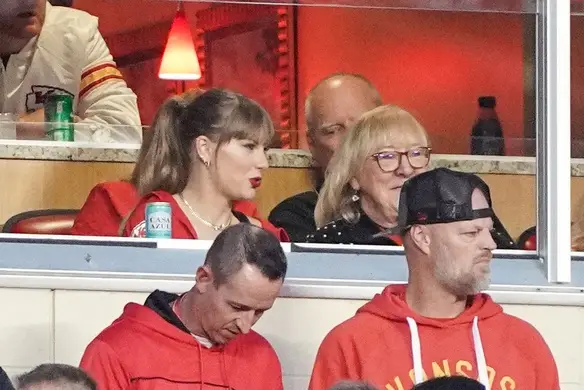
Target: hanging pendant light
x,y
179,61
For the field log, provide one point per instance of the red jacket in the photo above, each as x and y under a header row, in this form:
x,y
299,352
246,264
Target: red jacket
x,y
148,348
383,341
108,203
181,226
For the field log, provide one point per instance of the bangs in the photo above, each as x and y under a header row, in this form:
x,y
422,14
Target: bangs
x,y
387,126
249,121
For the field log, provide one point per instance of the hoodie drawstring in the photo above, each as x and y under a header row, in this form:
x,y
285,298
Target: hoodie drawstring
x,y
225,372
200,364
478,349
416,351
480,354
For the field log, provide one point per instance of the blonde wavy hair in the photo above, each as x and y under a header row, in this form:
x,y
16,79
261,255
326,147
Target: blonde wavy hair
x,y
374,129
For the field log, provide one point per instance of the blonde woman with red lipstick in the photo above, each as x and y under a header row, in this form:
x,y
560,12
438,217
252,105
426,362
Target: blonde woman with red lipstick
x,y
210,154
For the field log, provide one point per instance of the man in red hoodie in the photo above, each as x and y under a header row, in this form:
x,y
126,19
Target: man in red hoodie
x,y
439,324
201,339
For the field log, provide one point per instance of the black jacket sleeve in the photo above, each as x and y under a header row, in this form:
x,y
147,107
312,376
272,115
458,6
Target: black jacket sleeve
x,y
296,216
5,383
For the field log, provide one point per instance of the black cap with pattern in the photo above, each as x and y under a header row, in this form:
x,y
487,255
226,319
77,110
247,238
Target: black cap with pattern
x,y
440,195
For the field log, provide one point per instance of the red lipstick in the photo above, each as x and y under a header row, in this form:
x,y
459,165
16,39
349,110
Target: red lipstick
x,y
255,182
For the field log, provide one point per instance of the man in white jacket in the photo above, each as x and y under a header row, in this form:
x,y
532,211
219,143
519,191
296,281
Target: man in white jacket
x,y
45,49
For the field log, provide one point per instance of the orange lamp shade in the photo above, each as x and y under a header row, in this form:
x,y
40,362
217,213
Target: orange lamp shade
x,y
179,61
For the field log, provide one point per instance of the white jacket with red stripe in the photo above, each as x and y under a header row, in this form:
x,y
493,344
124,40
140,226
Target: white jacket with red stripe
x,y
70,55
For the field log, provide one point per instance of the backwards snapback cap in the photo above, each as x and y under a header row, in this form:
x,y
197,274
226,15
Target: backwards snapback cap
x,y
440,195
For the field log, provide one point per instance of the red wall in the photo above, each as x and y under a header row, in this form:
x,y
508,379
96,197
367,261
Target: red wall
x,y
434,64
577,90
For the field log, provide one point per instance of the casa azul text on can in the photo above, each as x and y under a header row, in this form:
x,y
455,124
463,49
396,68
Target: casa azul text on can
x,y
158,220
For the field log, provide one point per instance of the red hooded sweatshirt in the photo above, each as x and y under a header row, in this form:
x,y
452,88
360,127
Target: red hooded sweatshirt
x,y
149,348
110,202
393,348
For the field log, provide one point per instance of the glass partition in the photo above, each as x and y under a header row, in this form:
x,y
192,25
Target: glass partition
x,y
577,7
85,132
577,78
577,123
435,58
519,6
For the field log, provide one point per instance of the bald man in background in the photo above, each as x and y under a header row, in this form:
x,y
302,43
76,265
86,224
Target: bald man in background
x,y
331,107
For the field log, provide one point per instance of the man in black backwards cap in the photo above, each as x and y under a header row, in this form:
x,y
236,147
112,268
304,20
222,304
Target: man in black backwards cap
x,y
439,323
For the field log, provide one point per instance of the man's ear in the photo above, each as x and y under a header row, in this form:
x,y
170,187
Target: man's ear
x,y
204,279
310,142
310,138
421,238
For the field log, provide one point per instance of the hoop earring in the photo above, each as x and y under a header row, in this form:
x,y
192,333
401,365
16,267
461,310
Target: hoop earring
x,y
355,197
205,162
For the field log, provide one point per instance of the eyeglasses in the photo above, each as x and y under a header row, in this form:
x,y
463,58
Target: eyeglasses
x,y
390,161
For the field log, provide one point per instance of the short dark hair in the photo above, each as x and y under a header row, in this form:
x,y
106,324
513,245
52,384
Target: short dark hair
x,y
59,374
450,383
245,243
352,385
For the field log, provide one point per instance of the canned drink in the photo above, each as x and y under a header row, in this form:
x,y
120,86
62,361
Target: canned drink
x,y
158,220
59,116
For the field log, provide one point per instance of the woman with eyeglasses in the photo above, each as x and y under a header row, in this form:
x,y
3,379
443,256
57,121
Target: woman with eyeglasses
x,y
359,198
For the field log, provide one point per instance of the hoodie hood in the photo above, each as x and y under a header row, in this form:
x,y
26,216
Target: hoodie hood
x,y
158,315
391,305
161,303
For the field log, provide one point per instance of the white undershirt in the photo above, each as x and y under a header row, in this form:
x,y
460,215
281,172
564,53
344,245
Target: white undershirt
x,y
205,342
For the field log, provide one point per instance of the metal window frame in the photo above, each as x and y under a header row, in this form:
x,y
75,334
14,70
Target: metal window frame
x,y
553,138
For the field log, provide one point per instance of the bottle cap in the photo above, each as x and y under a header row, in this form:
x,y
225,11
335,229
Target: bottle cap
x,y
487,101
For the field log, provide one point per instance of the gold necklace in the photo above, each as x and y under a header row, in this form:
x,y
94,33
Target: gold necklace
x,y
211,225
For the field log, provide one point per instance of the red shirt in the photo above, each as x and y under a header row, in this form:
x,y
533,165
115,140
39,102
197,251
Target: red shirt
x,y
144,349
108,203
181,226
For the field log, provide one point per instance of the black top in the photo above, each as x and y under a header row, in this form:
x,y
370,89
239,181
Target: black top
x,y
161,303
296,215
361,233
343,232
5,383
